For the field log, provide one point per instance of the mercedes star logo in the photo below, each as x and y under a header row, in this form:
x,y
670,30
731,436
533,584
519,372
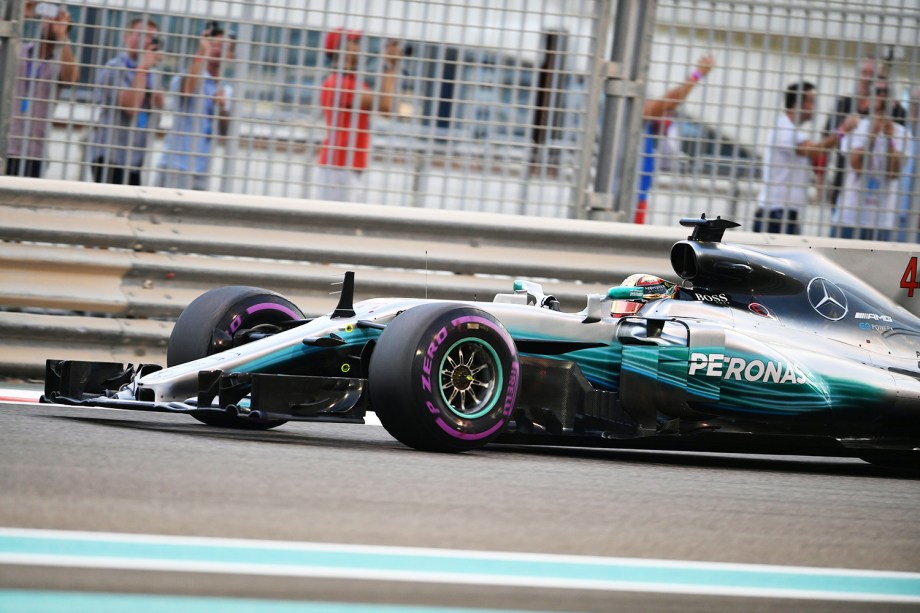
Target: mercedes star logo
x,y
827,299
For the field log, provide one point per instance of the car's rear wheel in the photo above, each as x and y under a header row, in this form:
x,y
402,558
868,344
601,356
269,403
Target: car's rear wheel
x,y
444,377
222,318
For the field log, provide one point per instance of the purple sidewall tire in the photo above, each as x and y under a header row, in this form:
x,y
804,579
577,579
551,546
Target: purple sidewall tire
x,y
226,311
444,377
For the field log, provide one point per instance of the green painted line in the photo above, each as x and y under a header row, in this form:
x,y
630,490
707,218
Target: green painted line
x,y
68,602
236,556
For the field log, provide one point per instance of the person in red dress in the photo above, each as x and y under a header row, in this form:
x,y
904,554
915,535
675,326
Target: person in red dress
x,y
347,102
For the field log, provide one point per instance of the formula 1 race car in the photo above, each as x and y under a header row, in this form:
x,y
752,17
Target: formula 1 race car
x,y
759,350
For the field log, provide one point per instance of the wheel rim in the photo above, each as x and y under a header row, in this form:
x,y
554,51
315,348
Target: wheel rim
x,y
471,378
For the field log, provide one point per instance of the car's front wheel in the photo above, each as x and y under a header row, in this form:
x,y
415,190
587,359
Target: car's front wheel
x,y
222,318
444,377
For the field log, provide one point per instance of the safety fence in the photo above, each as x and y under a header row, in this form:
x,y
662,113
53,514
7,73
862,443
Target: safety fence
x,y
476,106
101,272
516,107
732,136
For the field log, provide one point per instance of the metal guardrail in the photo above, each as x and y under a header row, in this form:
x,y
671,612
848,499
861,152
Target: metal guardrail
x,y
93,271
98,270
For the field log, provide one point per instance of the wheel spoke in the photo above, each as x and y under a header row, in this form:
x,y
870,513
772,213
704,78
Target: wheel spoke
x,y
472,358
474,371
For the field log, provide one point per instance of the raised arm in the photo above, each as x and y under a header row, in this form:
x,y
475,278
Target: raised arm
x,y
659,107
131,98
386,94
59,29
812,149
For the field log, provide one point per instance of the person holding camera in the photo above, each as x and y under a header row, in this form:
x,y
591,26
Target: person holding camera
x,y
128,98
870,70
43,66
875,153
202,112
347,103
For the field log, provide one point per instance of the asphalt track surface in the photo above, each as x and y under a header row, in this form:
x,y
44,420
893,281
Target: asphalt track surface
x,y
344,490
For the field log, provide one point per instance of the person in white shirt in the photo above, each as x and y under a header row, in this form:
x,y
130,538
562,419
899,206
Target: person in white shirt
x,y
787,163
202,113
868,205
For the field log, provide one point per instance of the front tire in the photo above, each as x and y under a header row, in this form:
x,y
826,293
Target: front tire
x,y
444,377
215,321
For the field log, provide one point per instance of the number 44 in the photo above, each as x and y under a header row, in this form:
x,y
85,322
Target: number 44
x,y
909,280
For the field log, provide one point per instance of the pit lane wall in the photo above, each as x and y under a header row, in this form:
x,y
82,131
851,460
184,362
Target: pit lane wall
x,y
100,272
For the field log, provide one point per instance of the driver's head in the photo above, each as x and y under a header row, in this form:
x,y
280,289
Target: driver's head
x,y
653,288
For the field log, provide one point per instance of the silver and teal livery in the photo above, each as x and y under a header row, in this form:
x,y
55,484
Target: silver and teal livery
x,y
758,350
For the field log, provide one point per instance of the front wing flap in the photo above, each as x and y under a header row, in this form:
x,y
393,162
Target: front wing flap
x,y
253,396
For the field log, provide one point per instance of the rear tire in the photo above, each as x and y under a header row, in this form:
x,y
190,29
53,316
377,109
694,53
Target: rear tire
x,y
213,319
444,377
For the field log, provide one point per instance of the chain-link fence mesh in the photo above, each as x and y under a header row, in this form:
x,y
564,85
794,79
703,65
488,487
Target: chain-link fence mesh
x,y
735,148
481,106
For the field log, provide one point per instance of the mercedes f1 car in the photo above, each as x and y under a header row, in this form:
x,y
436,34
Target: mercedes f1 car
x,y
758,350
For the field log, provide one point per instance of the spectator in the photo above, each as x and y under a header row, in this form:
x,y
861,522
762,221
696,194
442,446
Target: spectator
x,y
657,116
42,66
202,111
859,103
126,91
875,157
787,162
347,102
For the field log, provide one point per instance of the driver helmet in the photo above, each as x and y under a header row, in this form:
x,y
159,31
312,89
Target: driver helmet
x,y
653,288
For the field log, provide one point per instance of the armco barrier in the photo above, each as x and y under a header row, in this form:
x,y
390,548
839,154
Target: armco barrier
x,y
98,271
